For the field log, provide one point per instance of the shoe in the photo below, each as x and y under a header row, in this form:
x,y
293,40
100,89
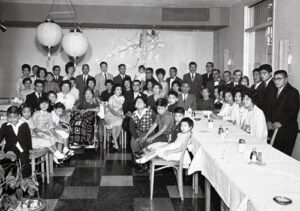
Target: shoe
x,y
68,155
144,168
57,161
58,155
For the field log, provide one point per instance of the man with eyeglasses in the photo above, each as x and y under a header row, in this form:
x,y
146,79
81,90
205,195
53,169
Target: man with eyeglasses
x,y
208,75
265,71
284,113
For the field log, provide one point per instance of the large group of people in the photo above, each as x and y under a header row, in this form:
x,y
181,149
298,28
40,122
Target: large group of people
x,y
150,110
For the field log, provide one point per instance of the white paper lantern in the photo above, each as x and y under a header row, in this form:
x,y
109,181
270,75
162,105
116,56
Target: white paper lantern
x,y
75,44
49,34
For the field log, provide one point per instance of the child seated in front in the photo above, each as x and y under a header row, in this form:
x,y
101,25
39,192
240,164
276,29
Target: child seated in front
x,y
18,139
63,132
172,100
205,103
164,121
172,151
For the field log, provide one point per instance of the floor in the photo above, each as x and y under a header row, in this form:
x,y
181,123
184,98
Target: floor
x,y
108,181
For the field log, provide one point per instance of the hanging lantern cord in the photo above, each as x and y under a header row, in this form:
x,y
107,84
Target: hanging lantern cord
x,y
49,53
74,62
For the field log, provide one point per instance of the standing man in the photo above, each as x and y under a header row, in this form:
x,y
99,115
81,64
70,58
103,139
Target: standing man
x,y
81,80
284,113
102,77
269,90
35,69
258,86
216,80
119,78
56,72
193,79
173,77
208,75
237,77
227,79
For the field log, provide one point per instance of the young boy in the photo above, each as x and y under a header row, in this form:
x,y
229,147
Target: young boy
x,y
178,116
164,121
206,103
172,151
18,138
172,100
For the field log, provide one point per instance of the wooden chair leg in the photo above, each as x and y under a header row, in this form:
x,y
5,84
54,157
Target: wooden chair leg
x,y
193,182
32,166
125,139
180,185
152,180
43,168
207,195
51,163
196,182
47,168
104,137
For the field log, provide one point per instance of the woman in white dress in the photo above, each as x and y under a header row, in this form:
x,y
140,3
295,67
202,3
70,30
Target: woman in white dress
x,y
65,97
238,110
226,110
70,70
114,117
172,151
255,121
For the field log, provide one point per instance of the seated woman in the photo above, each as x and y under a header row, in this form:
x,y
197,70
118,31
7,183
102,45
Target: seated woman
x,y
218,102
91,83
127,86
238,110
160,73
176,86
157,88
172,151
149,90
226,110
83,120
65,97
27,83
106,94
114,117
255,121
139,123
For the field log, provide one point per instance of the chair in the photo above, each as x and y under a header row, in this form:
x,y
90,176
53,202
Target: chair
x,y
107,134
176,165
273,137
40,157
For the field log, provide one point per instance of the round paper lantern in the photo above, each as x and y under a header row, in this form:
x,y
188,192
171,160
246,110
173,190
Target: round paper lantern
x,y
49,34
75,44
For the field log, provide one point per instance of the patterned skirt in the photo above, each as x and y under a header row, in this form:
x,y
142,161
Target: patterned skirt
x,y
82,128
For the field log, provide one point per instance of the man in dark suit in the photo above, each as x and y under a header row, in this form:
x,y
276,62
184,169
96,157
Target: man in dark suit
x,y
149,76
208,75
173,77
237,77
284,113
186,100
193,79
81,80
56,72
119,78
33,99
217,81
265,71
258,85
227,79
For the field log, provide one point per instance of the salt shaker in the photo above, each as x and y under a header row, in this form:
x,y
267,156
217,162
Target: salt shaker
x,y
227,131
210,124
253,155
242,145
220,131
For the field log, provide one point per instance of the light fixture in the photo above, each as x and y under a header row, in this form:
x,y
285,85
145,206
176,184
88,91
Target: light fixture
x,y
2,27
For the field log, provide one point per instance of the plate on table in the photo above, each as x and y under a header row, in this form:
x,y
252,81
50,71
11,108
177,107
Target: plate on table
x,y
282,200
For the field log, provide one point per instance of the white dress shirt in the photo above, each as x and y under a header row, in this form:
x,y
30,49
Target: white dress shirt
x,y
68,100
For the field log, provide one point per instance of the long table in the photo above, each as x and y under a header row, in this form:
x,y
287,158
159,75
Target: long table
x,y
243,186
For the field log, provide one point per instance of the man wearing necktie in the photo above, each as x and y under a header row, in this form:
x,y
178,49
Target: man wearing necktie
x,y
102,77
56,72
81,80
284,113
122,75
33,99
193,79
173,77
208,75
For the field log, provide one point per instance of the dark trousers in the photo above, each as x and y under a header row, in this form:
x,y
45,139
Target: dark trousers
x,y
138,144
285,140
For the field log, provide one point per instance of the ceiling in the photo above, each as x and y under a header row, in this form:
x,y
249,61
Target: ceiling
x,y
148,3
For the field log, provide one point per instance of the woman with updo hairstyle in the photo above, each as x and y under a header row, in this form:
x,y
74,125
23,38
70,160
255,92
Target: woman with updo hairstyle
x,y
70,70
65,97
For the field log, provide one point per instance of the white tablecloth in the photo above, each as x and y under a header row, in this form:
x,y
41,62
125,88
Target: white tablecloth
x,y
243,186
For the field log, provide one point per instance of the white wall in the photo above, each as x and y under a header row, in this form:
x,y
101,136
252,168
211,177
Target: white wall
x,y
19,45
